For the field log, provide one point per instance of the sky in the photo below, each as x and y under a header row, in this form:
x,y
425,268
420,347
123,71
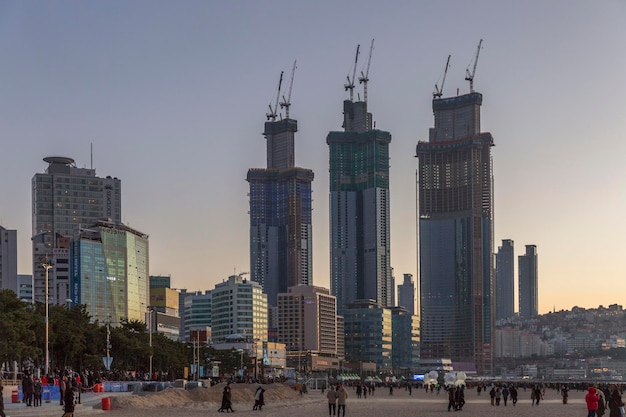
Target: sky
x,y
173,95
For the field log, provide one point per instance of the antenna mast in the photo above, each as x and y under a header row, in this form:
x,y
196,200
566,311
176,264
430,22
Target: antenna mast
x,y
439,91
470,76
272,114
286,103
364,77
350,85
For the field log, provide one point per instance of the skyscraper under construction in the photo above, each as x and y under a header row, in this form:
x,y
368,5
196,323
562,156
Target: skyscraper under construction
x,y
280,211
359,206
456,234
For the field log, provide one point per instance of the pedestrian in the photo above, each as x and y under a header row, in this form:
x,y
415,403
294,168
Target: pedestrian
x,y
37,390
332,401
227,404
69,403
538,394
459,397
358,391
513,393
342,396
601,403
451,401
498,396
592,402
62,388
564,393
27,389
505,394
615,403
2,401
390,389
259,399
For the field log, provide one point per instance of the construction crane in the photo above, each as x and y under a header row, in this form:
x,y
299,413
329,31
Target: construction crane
x,y
439,91
350,85
272,114
469,76
364,77
286,103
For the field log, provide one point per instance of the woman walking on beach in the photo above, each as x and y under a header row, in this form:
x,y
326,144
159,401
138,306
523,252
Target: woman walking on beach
x,y
615,403
592,402
227,404
342,396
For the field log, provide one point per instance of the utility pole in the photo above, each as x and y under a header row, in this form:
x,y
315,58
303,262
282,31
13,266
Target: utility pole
x,y
47,265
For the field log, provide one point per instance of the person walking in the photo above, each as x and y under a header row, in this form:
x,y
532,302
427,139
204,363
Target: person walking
x,y
227,400
332,401
37,391
498,396
259,399
451,400
538,394
459,397
69,401
513,393
592,402
615,403
505,394
342,396
492,395
601,403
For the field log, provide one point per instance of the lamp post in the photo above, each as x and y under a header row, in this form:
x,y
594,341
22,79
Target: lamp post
x,y
47,265
150,339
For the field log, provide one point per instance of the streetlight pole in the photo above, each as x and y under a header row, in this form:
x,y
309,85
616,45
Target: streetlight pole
x,y
150,341
47,267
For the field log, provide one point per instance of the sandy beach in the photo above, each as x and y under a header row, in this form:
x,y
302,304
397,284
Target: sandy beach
x,y
284,402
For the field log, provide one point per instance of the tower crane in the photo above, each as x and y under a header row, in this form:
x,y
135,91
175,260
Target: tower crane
x,y
439,91
364,78
469,76
286,103
272,114
350,85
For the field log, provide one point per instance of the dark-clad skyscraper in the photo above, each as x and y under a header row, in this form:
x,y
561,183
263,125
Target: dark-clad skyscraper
x,y
505,280
528,283
406,294
456,235
359,209
280,214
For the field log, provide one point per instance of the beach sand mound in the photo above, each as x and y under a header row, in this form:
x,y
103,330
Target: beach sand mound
x,y
241,393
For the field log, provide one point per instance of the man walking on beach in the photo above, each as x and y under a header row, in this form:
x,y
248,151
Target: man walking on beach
x,y
342,396
332,401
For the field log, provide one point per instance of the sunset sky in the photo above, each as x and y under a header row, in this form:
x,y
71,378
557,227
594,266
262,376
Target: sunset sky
x,y
173,97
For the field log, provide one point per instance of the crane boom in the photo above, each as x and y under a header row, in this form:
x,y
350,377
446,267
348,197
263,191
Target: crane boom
x,y
439,91
286,103
364,78
470,76
272,113
350,85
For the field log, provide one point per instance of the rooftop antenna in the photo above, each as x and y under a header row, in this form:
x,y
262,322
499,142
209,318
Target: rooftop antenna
x,y
350,85
439,91
469,76
364,77
272,114
286,103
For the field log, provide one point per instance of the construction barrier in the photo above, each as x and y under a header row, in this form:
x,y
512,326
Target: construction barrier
x,y
106,403
14,396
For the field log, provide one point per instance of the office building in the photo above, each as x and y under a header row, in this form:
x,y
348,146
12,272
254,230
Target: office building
x,y
281,229
456,235
405,340
25,288
164,316
197,306
406,294
64,198
359,209
160,281
8,259
368,333
239,307
528,283
110,270
505,280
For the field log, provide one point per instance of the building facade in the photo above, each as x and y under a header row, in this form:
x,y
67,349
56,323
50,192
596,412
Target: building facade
x,y
368,333
360,240
456,235
109,272
8,259
505,280
281,229
405,352
239,307
528,278
64,198
307,320
197,307
406,294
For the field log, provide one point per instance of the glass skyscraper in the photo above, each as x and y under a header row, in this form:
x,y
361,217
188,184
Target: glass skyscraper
x,y
528,283
456,235
360,241
505,280
281,232
109,270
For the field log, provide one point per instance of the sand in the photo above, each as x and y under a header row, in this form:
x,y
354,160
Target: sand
x,y
282,401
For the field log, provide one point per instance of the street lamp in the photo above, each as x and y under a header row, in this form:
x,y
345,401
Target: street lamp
x,y
47,267
150,338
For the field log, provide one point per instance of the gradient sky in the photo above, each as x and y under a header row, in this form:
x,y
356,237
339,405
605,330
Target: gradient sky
x,y
173,96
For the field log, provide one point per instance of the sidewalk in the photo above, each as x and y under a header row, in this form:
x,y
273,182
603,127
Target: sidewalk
x,y
89,400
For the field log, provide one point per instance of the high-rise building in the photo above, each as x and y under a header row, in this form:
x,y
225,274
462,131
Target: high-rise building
x,y
281,230
405,351
406,294
164,317
307,320
359,209
505,280
528,273
109,272
239,307
25,288
65,198
197,307
456,235
8,259
368,333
